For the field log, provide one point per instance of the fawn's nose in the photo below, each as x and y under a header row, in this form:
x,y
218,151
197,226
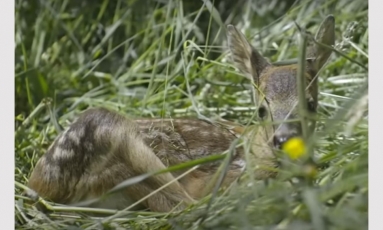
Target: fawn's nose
x,y
280,140
282,135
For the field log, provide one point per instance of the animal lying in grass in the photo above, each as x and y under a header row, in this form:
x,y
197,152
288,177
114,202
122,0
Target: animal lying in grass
x,y
103,148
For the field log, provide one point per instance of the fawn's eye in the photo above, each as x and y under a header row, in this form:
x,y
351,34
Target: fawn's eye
x,y
262,112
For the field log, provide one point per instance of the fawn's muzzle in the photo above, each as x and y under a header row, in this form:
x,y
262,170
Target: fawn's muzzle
x,y
284,133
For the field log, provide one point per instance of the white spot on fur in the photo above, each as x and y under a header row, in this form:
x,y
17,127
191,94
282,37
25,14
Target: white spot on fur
x,y
62,137
188,128
75,137
216,134
240,163
205,133
50,172
98,133
60,153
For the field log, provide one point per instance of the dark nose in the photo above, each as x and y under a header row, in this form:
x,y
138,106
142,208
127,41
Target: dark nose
x,y
280,140
284,132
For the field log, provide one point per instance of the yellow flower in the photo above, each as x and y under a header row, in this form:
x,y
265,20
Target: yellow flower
x,y
294,148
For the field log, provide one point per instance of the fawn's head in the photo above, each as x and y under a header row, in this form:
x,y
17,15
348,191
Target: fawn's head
x,y
277,92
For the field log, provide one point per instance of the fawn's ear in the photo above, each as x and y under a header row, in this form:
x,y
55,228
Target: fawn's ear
x,y
325,35
245,57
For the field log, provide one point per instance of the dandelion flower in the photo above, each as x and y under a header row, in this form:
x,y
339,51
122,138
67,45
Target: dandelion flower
x,y
294,148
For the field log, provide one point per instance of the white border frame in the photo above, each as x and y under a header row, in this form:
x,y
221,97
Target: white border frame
x,y
375,114
7,163
7,11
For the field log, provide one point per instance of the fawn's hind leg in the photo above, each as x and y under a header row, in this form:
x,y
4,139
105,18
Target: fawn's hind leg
x,y
138,160
97,152
128,157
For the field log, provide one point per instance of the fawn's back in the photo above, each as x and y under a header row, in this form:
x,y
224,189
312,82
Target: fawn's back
x,y
103,148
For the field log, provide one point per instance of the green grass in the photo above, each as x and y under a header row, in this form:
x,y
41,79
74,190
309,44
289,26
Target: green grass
x,y
166,59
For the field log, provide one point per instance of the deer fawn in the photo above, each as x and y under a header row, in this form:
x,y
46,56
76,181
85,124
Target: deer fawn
x,y
103,148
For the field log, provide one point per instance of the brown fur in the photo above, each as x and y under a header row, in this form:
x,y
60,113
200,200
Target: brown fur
x,y
103,148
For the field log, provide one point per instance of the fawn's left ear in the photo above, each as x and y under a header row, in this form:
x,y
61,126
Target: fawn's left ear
x,y
325,35
245,57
